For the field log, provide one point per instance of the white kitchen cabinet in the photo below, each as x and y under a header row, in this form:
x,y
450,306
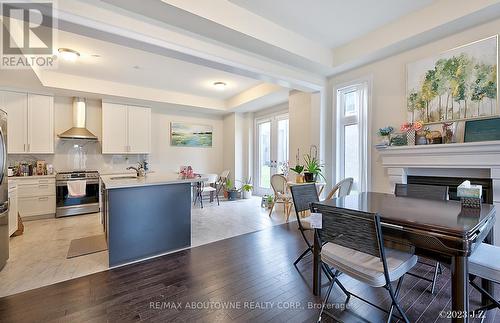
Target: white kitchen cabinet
x,y
16,106
126,129
114,129
13,207
139,130
30,127
40,124
36,197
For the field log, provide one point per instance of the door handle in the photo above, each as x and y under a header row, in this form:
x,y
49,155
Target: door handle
x,y
4,157
43,198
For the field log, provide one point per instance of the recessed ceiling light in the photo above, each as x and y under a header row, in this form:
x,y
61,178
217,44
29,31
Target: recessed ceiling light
x,y
220,85
68,54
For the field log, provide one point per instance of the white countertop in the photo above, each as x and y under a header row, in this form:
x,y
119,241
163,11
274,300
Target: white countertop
x,y
148,180
32,177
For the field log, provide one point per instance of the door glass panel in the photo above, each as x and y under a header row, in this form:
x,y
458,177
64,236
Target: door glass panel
x,y
351,159
351,106
264,154
282,146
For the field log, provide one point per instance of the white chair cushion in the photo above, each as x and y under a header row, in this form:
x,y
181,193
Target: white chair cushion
x,y
485,262
209,189
365,267
306,225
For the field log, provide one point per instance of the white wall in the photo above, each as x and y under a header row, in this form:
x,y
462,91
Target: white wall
x,y
163,157
388,93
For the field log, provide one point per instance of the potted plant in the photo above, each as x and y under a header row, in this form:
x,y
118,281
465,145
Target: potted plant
x,y
246,189
232,192
298,169
269,201
385,133
312,169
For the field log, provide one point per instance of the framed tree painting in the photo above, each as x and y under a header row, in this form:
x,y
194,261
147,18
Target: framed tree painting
x,y
459,84
190,135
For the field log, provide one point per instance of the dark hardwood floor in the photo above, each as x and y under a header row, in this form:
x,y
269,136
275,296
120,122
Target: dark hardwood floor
x,y
248,278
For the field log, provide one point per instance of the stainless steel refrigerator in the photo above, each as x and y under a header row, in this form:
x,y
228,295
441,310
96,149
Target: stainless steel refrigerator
x,y
4,192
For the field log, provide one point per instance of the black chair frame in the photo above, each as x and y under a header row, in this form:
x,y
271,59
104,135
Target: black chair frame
x,y
429,192
302,202
378,250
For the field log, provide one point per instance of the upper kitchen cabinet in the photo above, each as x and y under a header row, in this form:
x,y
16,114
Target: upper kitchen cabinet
x,y
30,127
40,124
125,129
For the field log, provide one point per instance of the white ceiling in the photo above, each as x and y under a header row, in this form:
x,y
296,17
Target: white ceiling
x,y
332,22
116,63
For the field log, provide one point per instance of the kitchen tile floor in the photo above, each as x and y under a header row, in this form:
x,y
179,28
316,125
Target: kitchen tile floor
x,y
38,257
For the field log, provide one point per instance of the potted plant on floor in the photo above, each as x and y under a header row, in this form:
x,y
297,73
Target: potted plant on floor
x,y
312,169
298,169
232,192
246,189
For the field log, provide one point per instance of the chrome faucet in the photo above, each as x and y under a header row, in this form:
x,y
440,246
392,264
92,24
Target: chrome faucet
x,y
139,170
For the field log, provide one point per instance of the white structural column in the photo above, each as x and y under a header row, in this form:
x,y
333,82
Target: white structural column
x,y
304,112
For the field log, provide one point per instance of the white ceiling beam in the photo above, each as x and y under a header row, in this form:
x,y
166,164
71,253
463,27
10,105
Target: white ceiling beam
x,y
104,88
256,98
236,18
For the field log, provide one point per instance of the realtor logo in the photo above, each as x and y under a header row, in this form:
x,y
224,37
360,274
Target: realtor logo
x,y
27,35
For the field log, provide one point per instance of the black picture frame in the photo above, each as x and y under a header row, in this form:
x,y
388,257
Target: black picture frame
x,y
482,130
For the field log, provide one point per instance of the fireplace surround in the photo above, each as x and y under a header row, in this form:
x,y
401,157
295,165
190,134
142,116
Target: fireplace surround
x,y
448,164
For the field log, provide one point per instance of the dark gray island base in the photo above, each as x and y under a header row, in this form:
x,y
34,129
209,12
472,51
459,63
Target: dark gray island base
x,y
146,221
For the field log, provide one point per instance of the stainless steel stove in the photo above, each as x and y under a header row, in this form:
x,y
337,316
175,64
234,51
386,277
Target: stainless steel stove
x,y
66,204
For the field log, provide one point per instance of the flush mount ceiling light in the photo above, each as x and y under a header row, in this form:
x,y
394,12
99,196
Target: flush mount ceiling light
x,y
68,54
220,85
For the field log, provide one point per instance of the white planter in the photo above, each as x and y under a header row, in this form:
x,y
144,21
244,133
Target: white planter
x,y
247,194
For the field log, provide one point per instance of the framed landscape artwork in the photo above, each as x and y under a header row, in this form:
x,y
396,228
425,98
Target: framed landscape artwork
x,y
190,135
459,84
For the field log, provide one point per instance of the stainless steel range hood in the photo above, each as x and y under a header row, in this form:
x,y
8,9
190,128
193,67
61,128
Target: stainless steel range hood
x,y
79,130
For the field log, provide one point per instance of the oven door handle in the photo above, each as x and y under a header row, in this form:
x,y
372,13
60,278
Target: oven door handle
x,y
64,183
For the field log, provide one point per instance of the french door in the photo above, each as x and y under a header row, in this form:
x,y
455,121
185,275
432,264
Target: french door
x,y
271,154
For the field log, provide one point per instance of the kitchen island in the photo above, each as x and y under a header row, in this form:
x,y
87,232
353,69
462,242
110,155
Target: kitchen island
x,y
146,216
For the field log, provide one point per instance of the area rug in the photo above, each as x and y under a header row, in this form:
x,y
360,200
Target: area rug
x,y
87,245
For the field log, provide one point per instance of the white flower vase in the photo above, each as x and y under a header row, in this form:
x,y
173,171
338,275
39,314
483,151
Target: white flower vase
x,y
247,195
410,138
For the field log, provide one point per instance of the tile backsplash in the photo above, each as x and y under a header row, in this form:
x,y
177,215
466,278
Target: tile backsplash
x,y
80,155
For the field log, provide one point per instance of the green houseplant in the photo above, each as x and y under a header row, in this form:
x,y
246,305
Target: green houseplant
x,y
298,169
231,190
312,169
246,189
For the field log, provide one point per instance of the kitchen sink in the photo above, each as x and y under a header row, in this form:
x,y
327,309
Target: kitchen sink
x,y
123,177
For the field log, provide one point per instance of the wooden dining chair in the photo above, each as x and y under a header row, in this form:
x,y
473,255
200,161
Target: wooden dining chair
x,y
279,185
355,247
342,188
428,192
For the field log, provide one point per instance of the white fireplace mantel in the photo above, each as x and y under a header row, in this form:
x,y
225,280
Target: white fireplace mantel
x,y
461,155
461,159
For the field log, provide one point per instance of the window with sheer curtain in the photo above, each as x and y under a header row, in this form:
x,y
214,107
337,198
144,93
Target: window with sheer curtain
x,y
353,134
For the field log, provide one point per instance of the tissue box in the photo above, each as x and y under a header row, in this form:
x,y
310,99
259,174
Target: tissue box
x,y
471,202
466,190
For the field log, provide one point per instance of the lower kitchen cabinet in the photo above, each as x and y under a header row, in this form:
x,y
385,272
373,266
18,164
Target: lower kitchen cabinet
x,y
36,197
13,207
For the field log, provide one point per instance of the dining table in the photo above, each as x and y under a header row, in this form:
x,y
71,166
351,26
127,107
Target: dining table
x,y
440,230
